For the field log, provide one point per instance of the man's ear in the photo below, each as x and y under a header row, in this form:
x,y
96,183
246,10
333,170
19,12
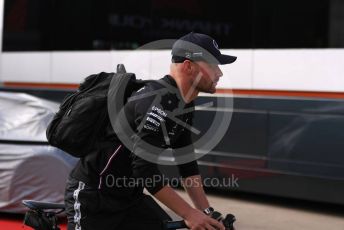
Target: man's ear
x,y
188,67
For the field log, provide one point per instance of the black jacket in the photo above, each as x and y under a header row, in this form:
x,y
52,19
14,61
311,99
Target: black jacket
x,y
113,167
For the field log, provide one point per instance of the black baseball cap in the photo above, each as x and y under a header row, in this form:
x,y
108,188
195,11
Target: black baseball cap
x,y
199,47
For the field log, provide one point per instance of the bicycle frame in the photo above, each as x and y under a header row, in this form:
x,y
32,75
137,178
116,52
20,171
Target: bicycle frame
x,y
39,218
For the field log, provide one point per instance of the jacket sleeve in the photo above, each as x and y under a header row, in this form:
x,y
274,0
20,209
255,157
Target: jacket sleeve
x,y
185,141
147,122
152,124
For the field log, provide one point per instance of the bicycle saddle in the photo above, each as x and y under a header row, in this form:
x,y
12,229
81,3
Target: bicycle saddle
x,y
38,205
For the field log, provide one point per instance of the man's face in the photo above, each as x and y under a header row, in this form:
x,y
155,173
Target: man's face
x,y
207,76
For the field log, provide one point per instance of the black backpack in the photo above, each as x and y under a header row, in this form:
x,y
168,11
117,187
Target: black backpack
x,y
77,125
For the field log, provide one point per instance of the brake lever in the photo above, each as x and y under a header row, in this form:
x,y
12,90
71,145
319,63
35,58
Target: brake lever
x,y
228,221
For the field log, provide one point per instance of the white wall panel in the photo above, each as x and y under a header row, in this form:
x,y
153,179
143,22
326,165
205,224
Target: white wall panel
x,y
160,63
309,70
73,67
304,70
237,75
26,66
137,62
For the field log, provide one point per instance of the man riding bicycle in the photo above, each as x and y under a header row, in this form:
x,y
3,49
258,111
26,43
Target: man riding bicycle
x,y
92,202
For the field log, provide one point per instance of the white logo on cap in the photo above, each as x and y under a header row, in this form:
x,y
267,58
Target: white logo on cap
x,y
199,54
215,44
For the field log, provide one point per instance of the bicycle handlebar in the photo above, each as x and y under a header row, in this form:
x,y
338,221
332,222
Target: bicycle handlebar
x,y
34,220
227,222
175,224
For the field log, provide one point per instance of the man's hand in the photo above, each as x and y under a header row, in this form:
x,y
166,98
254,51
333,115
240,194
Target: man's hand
x,y
194,218
197,220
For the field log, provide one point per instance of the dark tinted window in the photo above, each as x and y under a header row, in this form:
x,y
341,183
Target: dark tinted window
x,y
27,25
36,25
291,23
152,20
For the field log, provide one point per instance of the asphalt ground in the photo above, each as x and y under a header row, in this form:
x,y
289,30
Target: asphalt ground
x,y
255,212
